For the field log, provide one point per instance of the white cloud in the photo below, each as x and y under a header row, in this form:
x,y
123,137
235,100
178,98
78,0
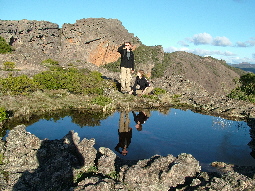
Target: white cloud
x,y
241,44
201,38
247,43
221,41
205,38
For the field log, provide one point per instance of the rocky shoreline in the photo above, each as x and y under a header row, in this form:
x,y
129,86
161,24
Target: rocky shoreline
x,y
74,164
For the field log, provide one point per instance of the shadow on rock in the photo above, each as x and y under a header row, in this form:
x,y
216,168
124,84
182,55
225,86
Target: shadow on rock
x,y
57,159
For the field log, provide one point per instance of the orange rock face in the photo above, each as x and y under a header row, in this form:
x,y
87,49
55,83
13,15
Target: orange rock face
x,y
103,54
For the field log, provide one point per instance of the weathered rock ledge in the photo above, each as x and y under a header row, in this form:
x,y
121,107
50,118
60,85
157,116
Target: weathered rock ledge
x,y
74,164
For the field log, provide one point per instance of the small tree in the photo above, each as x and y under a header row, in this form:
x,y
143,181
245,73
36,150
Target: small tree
x,y
4,47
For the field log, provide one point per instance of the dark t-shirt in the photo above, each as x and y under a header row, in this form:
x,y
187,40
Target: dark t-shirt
x,y
142,82
127,59
141,117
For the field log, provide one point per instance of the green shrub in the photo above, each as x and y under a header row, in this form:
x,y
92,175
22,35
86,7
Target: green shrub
x,y
97,91
4,47
102,100
113,175
96,76
74,80
248,83
51,64
17,85
1,159
144,53
9,66
60,79
3,114
158,91
89,173
160,67
246,89
49,61
114,66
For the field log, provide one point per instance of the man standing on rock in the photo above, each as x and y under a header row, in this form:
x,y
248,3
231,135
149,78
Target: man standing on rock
x,y
126,66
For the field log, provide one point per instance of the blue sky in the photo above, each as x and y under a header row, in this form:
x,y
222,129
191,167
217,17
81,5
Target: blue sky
x,y
224,29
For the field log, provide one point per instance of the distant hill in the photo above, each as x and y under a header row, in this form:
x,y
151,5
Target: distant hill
x,y
204,74
245,66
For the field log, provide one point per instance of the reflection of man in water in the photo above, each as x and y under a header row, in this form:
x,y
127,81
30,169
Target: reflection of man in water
x,y
140,119
125,133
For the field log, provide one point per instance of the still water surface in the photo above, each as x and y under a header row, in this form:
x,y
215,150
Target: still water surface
x,y
207,138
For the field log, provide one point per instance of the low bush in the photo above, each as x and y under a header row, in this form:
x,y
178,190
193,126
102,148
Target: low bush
x,y
158,91
73,80
17,85
246,89
9,66
3,114
4,47
51,64
114,66
102,100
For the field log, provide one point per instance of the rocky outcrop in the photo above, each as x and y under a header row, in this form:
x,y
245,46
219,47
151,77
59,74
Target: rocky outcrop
x,y
33,42
89,40
94,40
65,164
30,37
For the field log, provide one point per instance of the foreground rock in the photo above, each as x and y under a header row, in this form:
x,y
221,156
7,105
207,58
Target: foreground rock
x,y
74,164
